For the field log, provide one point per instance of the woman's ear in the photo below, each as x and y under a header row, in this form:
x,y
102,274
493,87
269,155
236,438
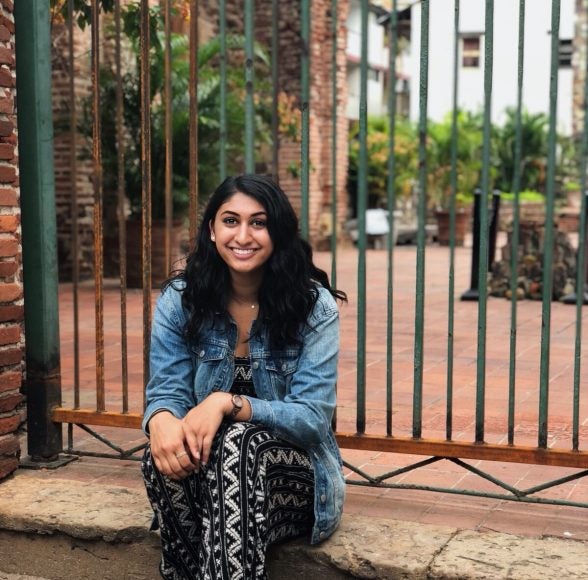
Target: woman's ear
x,y
211,228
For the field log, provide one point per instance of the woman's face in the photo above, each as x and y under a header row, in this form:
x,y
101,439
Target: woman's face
x,y
240,233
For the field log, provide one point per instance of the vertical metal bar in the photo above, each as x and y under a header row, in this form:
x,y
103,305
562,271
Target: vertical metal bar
x,y
146,180
168,99
194,193
305,104
334,122
514,255
391,195
547,284
581,265
493,228
122,226
419,324
483,260
452,209
361,209
73,164
39,230
70,437
223,90
98,205
249,80
275,89
334,140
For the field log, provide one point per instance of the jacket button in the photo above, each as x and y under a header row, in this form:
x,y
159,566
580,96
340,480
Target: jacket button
x,y
255,365
284,367
322,535
201,353
323,498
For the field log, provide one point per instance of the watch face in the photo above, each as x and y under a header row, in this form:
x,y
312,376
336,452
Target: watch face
x,y
237,404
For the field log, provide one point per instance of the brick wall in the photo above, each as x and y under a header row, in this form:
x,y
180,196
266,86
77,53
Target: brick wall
x,y
320,186
11,303
64,188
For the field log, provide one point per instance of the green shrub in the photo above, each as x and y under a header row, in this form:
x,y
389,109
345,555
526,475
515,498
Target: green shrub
x,y
406,159
439,159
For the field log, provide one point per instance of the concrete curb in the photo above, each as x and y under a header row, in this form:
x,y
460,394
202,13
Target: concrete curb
x,y
64,529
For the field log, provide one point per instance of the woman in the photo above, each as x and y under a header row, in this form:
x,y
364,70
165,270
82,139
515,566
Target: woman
x,y
242,391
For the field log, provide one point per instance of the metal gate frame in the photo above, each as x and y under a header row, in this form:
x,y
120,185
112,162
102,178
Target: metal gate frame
x,y
45,449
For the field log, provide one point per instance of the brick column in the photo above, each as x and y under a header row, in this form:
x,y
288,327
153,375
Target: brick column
x,y
11,297
320,103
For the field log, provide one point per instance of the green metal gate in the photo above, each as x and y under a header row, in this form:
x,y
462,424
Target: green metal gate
x,y
391,412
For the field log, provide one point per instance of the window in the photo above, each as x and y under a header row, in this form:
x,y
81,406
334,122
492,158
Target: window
x,y
470,51
373,74
565,53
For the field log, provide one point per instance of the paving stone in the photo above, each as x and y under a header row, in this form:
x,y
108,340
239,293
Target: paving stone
x,y
106,512
492,555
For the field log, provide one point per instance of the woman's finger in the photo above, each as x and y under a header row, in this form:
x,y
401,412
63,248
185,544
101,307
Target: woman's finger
x,y
206,445
194,445
162,465
185,460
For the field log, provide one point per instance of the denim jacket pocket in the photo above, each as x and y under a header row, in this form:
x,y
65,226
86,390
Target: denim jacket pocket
x,y
209,371
281,366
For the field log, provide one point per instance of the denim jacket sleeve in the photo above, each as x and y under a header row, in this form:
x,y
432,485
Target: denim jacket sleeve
x,y
304,416
171,379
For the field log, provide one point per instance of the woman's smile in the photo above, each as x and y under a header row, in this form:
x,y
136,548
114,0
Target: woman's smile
x,y
243,252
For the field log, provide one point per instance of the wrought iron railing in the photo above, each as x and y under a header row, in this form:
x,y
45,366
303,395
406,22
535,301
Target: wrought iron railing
x,y
391,438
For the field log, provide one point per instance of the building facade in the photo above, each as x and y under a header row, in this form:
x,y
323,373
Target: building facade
x,y
537,59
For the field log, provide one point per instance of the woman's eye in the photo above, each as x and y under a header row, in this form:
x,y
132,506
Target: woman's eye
x,y
229,221
259,223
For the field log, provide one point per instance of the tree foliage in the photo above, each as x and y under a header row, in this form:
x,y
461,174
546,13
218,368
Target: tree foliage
x,y
208,95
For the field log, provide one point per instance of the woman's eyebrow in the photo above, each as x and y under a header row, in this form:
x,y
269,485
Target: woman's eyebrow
x,y
257,213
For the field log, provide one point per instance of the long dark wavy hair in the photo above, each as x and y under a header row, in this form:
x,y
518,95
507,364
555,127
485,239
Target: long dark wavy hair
x,y
288,290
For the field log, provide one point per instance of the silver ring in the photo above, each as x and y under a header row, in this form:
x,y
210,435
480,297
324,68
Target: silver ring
x,y
178,455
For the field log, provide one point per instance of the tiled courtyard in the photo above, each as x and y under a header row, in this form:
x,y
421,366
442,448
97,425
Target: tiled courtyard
x,y
407,504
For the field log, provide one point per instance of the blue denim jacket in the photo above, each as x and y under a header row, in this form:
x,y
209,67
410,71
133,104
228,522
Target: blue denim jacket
x,y
295,387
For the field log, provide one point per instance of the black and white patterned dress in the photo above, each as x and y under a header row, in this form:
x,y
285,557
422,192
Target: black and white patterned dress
x,y
255,491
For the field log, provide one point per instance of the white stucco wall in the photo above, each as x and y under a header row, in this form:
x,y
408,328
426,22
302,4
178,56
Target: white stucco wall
x,y
471,80
377,59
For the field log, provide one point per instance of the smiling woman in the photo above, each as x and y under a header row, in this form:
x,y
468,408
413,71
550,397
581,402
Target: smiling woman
x,y
244,354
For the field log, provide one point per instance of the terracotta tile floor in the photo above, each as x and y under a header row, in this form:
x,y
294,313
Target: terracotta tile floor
x,y
408,504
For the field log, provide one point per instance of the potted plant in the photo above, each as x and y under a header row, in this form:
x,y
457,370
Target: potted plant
x,y
533,169
468,169
405,158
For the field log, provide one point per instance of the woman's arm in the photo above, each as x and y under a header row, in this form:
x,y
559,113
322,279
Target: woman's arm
x,y
170,385
304,416
169,390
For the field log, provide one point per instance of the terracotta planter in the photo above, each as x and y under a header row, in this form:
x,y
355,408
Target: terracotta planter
x,y
568,221
160,271
462,222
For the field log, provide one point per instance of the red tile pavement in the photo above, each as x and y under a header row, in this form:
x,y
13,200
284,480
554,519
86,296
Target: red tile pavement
x,y
408,504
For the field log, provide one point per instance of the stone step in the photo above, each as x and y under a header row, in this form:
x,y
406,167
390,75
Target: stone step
x,y
54,529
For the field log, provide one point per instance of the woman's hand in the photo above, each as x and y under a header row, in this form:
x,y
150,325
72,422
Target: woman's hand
x,y
168,446
202,423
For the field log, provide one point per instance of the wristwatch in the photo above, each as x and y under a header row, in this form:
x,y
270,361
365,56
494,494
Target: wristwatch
x,y
237,401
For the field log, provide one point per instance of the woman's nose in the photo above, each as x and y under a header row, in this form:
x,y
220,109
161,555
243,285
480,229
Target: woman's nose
x,y
242,236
